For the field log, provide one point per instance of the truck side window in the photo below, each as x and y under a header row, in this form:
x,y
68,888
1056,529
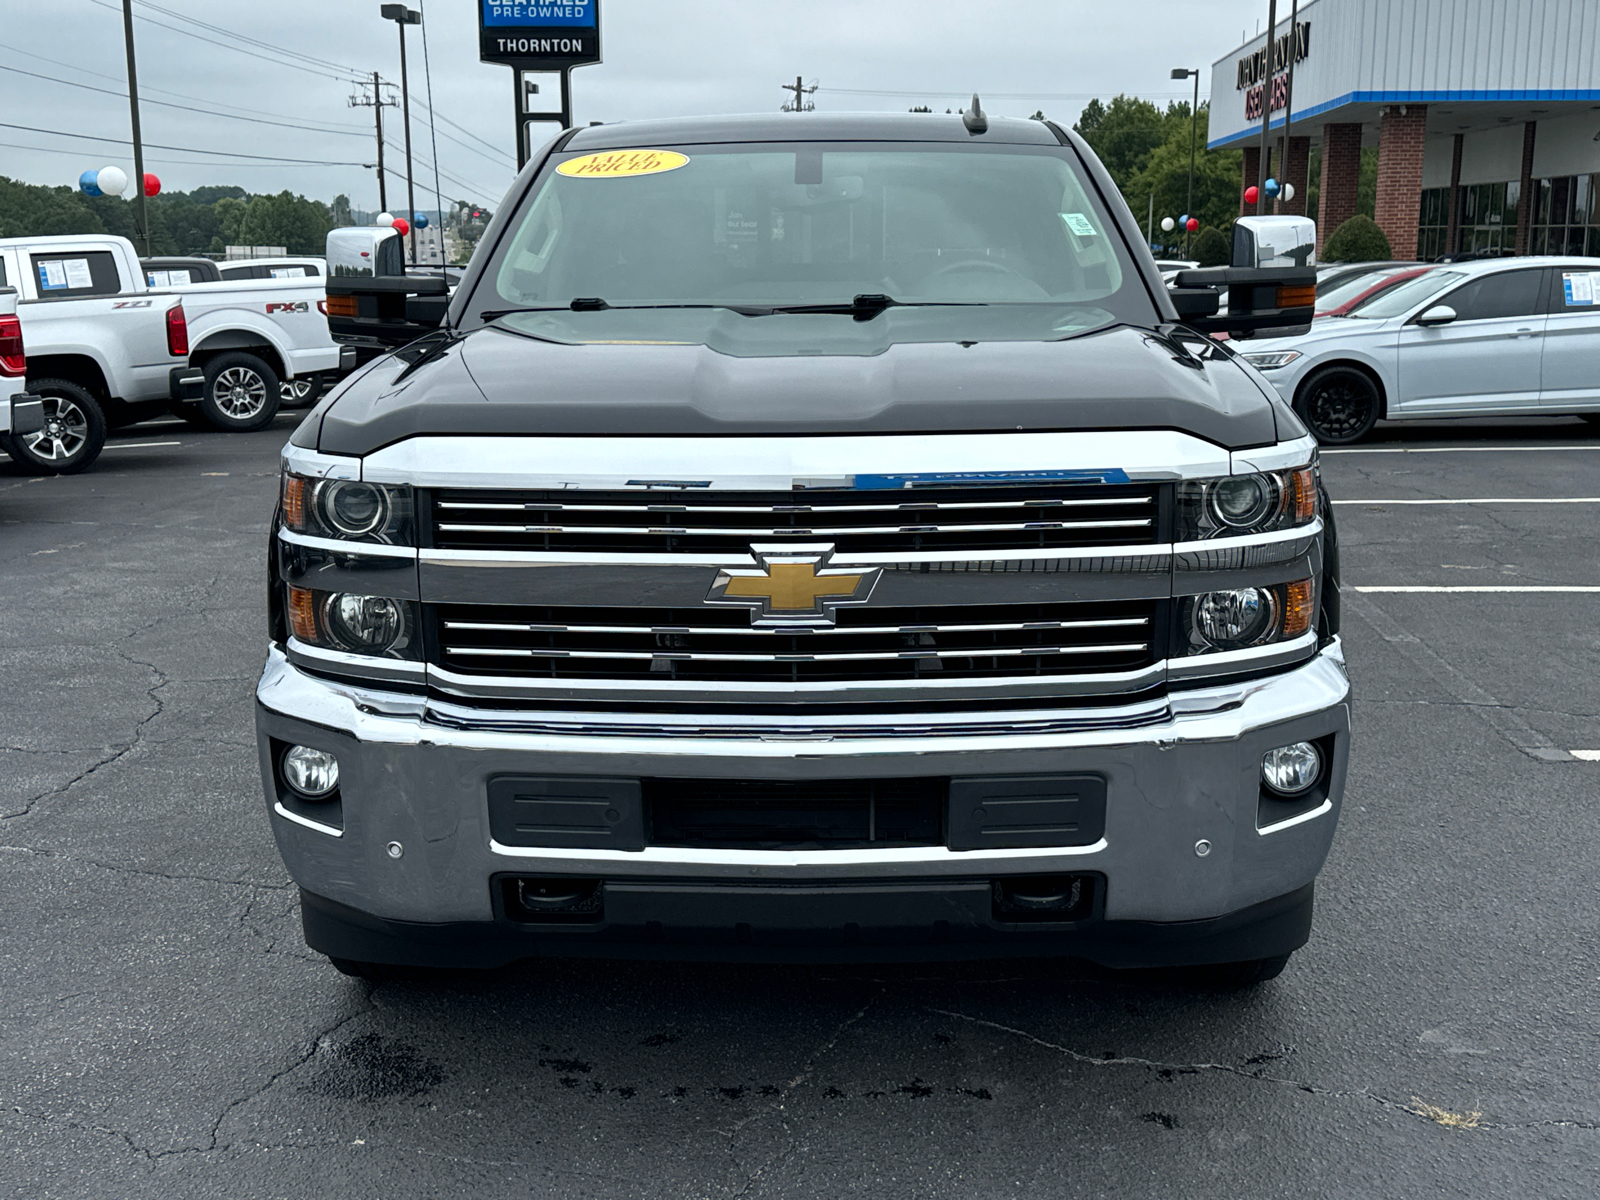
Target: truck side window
x,y
69,274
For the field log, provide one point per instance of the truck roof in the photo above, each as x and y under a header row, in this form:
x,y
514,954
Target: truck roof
x,y
809,127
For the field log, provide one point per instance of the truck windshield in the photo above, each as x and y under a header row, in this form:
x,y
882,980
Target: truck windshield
x,y
847,229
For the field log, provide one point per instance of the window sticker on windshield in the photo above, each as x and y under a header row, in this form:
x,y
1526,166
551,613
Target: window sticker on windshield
x,y
1079,224
52,275
620,164
1578,287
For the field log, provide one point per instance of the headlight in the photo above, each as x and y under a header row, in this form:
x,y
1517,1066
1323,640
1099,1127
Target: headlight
x,y
1263,502
349,510
354,624
1270,360
1239,618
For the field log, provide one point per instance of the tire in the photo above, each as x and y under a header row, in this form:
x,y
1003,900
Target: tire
x,y
1339,405
73,436
301,392
242,393
1222,976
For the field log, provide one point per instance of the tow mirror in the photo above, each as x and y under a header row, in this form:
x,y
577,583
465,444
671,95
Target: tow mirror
x,y
1271,287
1439,314
373,304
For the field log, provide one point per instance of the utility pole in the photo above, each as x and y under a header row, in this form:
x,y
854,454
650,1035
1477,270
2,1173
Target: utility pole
x,y
800,91
377,104
1194,121
1288,93
403,16
138,141
1266,111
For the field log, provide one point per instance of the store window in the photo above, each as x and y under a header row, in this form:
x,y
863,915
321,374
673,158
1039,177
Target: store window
x,y
1565,219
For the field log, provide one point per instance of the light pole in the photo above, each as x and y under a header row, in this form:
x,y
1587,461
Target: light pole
x,y
403,16
1194,119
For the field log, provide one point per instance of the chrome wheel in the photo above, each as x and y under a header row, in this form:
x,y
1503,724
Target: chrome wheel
x,y
65,432
296,391
240,393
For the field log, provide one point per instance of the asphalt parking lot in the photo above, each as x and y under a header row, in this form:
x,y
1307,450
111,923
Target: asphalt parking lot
x,y
166,1033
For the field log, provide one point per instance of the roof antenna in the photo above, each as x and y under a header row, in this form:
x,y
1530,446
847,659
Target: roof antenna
x,y
975,119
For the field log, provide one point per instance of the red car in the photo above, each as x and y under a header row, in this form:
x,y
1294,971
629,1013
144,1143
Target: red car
x,y
1340,300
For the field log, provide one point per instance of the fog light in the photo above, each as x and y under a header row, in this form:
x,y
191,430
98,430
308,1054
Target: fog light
x,y
1234,619
1290,770
310,774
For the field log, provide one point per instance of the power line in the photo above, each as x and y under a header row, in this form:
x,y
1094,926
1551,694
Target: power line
x,y
244,37
342,78
90,137
89,87
963,94
55,62
166,162
427,75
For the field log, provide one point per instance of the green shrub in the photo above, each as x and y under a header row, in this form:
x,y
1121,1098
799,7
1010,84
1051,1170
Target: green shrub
x,y
1211,248
1358,240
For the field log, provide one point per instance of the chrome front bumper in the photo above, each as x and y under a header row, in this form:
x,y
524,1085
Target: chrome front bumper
x,y
415,777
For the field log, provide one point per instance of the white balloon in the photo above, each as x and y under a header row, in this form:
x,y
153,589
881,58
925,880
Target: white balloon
x,y
386,219
1168,224
112,180
1288,191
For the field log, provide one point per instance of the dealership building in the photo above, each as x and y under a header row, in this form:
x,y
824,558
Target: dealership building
x,y
1485,115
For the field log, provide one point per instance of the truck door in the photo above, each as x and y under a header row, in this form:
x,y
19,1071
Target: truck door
x,y
85,300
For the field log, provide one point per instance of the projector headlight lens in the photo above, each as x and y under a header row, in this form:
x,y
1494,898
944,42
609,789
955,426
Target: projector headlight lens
x,y
1236,618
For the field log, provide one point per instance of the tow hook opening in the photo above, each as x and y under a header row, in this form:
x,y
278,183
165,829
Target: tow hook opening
x,y
1044,898
542,899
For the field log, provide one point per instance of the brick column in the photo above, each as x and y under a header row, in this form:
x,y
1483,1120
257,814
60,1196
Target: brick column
x,y
1399,205
1525,195
1452,233
1251,172
1292,169
1341,175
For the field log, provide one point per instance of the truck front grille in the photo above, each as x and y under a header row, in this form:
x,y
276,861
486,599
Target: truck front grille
x,y
870,643
880,521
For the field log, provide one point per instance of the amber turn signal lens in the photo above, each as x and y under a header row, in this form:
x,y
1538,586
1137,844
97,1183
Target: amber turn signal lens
x,y
342,306
1303,494
1297,608
296,498
303,615
1297,297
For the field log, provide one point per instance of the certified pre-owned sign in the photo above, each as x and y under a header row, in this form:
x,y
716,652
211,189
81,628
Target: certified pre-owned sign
x,y
536,35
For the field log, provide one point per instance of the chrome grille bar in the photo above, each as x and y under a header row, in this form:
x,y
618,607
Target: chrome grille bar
x,y
810,631
752,532
538,506
857,656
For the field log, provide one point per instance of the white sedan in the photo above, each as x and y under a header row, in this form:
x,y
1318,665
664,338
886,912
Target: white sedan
x,y
1503,337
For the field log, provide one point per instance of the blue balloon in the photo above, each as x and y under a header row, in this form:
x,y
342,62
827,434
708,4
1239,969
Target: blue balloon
x,y
1183,220
1272,187
419,220
87,183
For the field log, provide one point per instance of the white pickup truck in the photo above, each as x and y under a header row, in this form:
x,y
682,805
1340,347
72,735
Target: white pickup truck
x,y
21,415
104,341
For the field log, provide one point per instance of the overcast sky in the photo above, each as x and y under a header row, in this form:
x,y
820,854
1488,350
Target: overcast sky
x,y
662,58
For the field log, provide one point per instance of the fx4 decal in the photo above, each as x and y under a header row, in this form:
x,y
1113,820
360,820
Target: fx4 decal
x,y
302,306
133,304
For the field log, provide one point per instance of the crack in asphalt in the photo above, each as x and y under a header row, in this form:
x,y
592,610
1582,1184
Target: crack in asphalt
x,y
1413,1108
147,872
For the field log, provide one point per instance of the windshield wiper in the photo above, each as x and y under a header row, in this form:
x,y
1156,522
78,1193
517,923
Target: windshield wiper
x,y
869,304
862,307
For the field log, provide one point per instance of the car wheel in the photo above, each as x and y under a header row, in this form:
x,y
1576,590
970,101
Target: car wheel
x,y
74,431
242,393
1339,405
300,393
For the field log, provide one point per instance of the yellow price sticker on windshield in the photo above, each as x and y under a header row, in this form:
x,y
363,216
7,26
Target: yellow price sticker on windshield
x,y
620,164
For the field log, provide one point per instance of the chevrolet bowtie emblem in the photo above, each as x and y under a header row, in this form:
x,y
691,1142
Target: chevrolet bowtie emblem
x,y
793,585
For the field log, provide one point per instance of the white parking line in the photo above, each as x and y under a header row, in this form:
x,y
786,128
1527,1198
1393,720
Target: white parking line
x,y
138,445
1479,588
1585,755
1489,500
1454,449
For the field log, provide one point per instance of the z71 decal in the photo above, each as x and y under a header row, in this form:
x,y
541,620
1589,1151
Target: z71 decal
x,y
302,306
132,304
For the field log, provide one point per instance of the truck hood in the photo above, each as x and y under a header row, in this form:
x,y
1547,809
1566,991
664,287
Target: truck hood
x,y
497,382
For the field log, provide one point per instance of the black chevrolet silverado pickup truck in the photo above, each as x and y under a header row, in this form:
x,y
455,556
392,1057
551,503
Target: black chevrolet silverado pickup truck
x,y
817,537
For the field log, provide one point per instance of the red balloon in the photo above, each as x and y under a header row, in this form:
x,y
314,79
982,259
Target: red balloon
x,y
1251,194
152,185
401,226
1193,225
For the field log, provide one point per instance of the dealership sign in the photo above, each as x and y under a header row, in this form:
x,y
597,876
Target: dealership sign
x,y
1253,72
536,35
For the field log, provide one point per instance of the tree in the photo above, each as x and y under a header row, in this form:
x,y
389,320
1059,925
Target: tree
x,y
1211,248
1358,240
340,213
1165,174
1124,132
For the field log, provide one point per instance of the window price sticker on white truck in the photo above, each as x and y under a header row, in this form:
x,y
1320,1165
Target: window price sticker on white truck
x,y
64,274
